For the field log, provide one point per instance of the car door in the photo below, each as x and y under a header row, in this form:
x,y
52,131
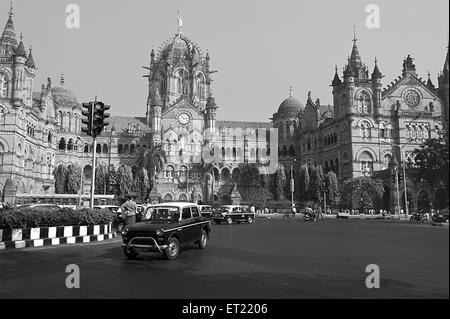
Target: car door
x,y
185,229
197,223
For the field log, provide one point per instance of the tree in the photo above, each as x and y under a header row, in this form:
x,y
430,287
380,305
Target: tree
x,y
101,174
433,159
316,183
247,176
142,183
111,180
261,197
304,181
362,192
74,179
280,183
125,182
153,160
60,174
332,188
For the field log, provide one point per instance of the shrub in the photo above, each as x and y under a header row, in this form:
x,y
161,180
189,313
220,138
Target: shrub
x,y
44,217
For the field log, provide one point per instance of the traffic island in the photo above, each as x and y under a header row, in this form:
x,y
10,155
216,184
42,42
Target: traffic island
x,y
34,227
54,236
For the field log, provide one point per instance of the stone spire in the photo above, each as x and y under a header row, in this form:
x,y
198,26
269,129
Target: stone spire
x,y
30,60
376,74
430,84
355,57
8,37
20,50
336,80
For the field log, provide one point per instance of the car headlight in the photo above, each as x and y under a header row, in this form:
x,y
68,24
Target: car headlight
x,y
159,232
124,232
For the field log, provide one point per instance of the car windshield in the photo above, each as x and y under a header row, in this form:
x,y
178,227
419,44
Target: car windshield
x,y
164,213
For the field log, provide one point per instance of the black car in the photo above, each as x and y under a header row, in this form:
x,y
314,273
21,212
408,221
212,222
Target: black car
x,y
233,214
440,218
165,229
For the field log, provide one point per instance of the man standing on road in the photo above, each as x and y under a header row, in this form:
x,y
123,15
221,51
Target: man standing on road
x,y
294,210
129,209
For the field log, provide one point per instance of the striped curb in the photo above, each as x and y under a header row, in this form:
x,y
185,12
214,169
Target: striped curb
x,y
54,236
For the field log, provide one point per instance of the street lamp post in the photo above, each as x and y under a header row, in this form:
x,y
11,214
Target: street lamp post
x,y
403,155
292,185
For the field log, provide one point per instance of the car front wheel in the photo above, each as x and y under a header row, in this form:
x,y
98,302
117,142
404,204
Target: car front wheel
x,y
173,249
229,221
249,220
203,240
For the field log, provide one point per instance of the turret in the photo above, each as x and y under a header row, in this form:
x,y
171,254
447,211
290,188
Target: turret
x,y
377,87
211,108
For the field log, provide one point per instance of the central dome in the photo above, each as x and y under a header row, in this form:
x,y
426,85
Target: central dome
x,y
178,47
290,106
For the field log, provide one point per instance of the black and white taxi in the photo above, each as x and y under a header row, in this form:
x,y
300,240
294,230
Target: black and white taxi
x,y
166,228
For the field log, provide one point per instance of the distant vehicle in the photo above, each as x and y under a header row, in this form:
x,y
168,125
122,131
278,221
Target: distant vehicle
x,y
169,227
39,206
441,218
341,215
111,208
233,214
206,210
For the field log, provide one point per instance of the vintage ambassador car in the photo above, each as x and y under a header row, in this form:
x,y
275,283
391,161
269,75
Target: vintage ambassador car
x,y
233,214
165,229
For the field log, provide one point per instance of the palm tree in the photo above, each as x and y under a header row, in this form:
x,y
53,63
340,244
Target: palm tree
x,y
153,160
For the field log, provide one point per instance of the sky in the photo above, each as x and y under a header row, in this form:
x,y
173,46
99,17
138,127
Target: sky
x,y
259,48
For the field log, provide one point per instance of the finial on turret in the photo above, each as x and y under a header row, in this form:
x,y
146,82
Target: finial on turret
x,y
180,24
291,91
62,80
354,34
11,13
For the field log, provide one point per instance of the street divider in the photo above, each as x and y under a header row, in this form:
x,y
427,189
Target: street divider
x,y
54,236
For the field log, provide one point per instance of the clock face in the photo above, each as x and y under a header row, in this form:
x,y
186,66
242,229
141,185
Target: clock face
x,y
184,118
412,98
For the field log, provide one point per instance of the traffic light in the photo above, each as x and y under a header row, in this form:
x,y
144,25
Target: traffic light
x,y
400,178
100,118
87,118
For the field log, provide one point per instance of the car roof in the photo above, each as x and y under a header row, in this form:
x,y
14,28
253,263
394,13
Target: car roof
x,y
172,204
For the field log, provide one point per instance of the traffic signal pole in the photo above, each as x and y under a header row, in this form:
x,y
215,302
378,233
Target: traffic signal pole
x,y
94,151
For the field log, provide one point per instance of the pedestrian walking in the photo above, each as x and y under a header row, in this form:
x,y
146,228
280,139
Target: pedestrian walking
x,y
129,209
294,210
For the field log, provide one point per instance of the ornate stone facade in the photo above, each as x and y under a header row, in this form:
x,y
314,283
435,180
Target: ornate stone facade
x,y
367,125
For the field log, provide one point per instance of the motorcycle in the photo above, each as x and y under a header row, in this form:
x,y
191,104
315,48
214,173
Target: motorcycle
x,y
418,218
310,217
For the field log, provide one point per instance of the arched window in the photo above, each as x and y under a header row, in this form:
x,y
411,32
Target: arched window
x,y
62,144
364,103
105,149
386,160
285,151
223,152
365,130
70,145
98,149
336,166
132,148
366,161
120,149
3,86
125,149
86,148
200,86
234,153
